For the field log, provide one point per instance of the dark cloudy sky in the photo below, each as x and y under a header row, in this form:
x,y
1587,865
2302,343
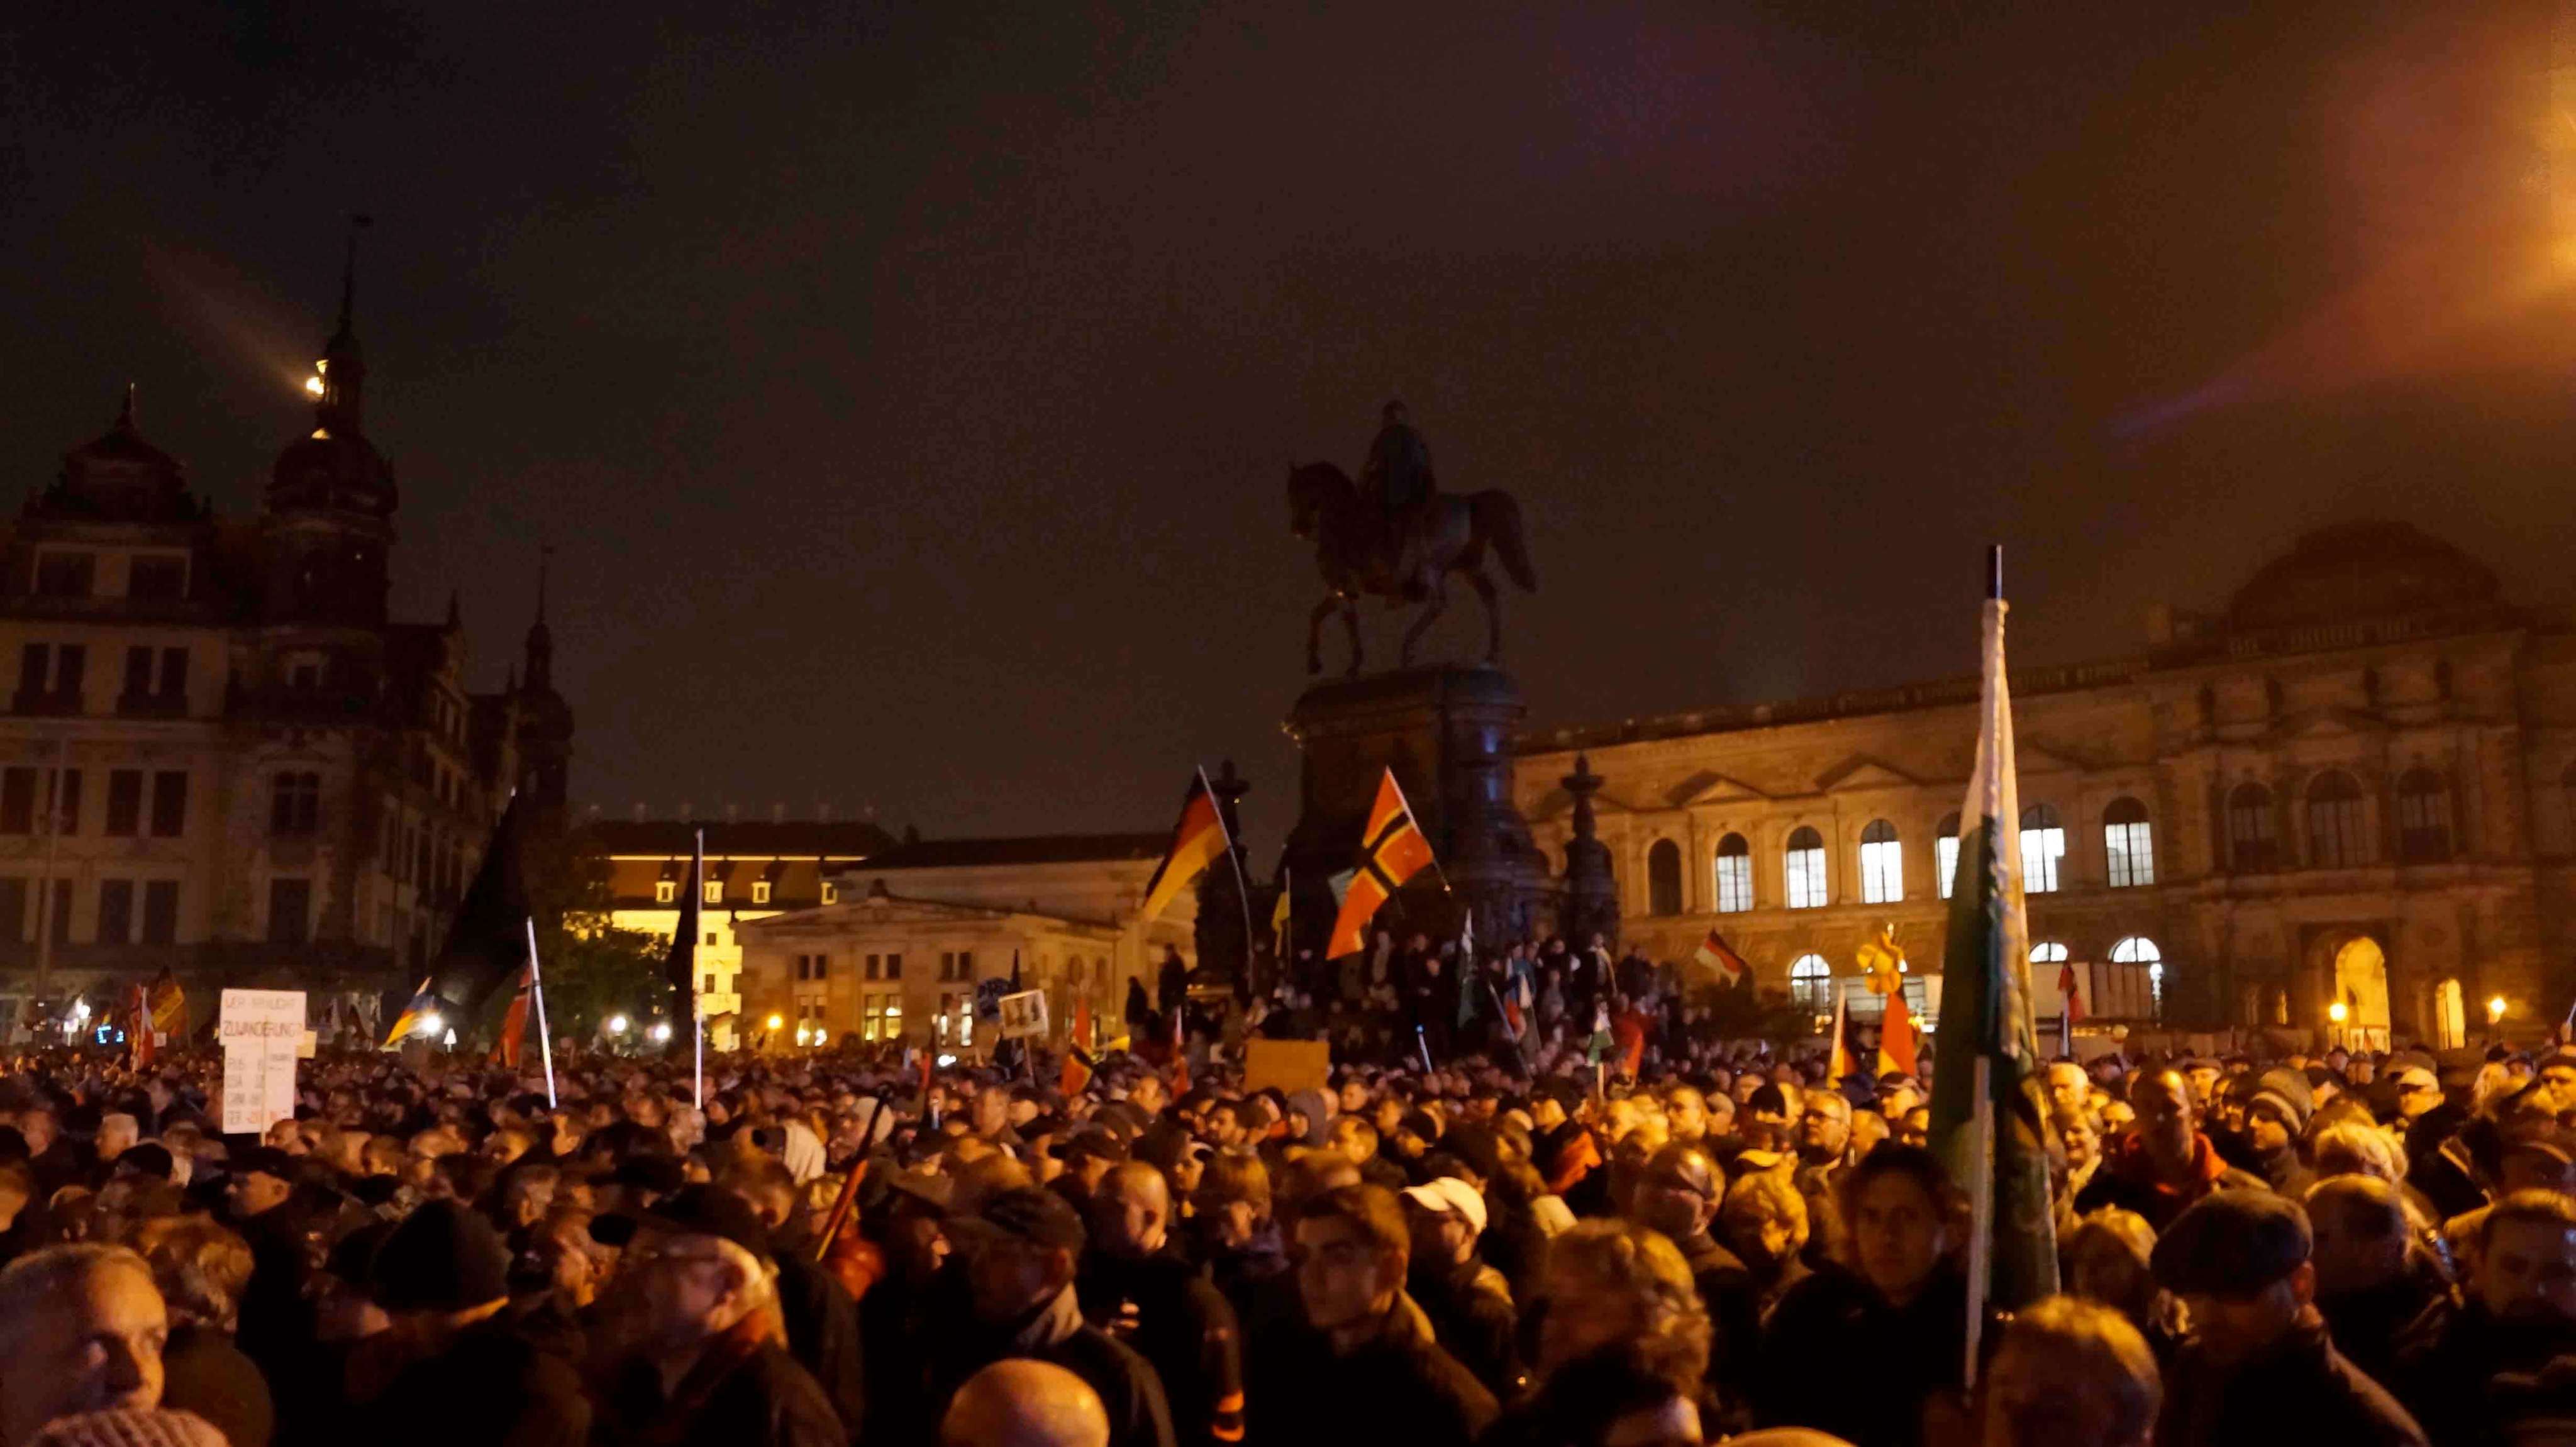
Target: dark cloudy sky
x,y
909,388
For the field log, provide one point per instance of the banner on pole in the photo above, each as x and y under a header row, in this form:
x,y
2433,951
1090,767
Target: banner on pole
x,y
262,1031
1024,1014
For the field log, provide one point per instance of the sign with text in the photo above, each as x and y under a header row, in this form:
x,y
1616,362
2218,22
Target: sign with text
x,y
1292,1065
262,1032
1024,1014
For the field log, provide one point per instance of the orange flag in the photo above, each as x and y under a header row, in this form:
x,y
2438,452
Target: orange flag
x,y
1392,850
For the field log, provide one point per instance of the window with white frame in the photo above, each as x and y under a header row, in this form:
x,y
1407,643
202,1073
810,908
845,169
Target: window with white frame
x,y
2140,950
1882,864
2127,843
713,893
2048,952
1734,874
1945,853
665,891
2043,848
760,891
1811,983
1803,869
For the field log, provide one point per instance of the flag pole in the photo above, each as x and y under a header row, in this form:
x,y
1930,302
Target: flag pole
x,y
1981,1210
698,1047
1242,886
545,1037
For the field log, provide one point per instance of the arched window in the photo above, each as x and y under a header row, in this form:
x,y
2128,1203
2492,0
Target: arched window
x,y
2140,950
2423,817
1945,852
1804,869
1882,864
2048,952
2043,845
1664,877
1734,874
2128,844
2450,1016
1811,984
2337,838
2251,844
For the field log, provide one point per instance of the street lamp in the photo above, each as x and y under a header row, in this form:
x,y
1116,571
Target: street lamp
x,y
775,1022
616,1024
432,1025
2337,1012
662,1031
2495,1009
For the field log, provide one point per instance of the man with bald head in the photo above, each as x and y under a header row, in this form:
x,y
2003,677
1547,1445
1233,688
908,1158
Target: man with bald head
x,y
1135,1284
1023,1403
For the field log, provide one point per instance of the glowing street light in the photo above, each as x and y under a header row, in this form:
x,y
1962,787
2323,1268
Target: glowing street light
x,y
313,386
2337,1012
775,1022
2495,1009
662,1031
433,1025
616,1024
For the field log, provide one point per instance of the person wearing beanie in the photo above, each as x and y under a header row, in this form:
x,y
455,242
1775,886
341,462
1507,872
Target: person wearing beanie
x,y
2276,1125
442,1279
2258,1367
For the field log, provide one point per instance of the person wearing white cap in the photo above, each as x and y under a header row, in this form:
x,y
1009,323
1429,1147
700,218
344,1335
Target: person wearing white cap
x,y
1468,1302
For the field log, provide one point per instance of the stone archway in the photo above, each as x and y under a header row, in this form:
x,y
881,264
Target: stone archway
x,y
2360,984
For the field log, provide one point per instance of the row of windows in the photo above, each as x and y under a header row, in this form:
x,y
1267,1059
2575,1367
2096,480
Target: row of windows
x,y
2127,840
2338,836
21,811
667,891
1811,976
51,678
116,918
67,573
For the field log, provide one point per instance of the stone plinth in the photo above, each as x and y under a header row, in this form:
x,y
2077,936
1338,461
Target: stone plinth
x,y
1447,732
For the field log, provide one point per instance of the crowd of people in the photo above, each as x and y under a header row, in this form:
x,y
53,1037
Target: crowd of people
x,y
1487,1244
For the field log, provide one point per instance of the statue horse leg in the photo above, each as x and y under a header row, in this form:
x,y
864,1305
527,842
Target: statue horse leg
x,y
1432,608
1315,632
1484,587
1351,621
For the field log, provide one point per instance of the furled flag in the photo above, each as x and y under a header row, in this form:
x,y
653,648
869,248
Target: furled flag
x,y
514,1026
1077,1057
1988,1106
1197,842
1882,962
2074,993
1392,850
680,966
1846,1061
1279,917
488,942
139,1035
1718,955
1469,977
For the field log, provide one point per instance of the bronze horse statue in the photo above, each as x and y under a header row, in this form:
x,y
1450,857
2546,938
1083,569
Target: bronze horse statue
x,y
1351,552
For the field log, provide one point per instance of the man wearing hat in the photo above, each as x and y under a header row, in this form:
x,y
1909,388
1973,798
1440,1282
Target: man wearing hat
x,y
696,1293
2276,1121
442,1278
2258,1368
1469,1304
1021,1247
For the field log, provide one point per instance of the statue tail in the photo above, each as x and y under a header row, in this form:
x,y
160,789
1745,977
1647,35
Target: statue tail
x,y
1498,519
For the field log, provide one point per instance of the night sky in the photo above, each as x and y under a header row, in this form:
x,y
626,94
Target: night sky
x,y
909,390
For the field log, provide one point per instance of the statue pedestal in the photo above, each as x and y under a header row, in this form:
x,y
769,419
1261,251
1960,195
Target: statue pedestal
x,y
1447,732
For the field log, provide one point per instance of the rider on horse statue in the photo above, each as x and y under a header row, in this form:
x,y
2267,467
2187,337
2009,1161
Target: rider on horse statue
x,y
1398,479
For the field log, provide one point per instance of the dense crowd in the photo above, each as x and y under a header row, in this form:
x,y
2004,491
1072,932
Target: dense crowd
x,y
1533,1244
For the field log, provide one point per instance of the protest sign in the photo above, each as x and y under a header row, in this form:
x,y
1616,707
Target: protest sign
x,y
261,1031
1024,1014
1292,1065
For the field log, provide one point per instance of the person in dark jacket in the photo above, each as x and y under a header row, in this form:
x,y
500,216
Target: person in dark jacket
x,y
822,1319
1466,1301
695,1294
2519,1317
1680,1195
2258,1367
1135,1285
2276,1120
1368,1372
2164,1163
2382,1295
1900,1283
202,1270
442,1279
1021,1248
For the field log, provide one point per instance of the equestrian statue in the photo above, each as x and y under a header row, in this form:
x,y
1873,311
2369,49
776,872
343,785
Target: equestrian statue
x,y
1395,535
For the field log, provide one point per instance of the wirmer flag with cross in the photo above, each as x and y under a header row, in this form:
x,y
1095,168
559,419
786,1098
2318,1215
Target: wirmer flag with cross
x,y
1392,850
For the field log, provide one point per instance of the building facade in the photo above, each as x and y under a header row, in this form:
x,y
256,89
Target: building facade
x,y
899,955
221,756
2356,787
754,870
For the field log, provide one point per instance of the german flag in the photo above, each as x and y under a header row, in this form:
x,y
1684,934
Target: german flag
x,y
1392,850
505,1050
423,1005
1197,842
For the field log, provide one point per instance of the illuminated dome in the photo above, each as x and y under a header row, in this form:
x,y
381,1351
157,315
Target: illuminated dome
x,y
2362,570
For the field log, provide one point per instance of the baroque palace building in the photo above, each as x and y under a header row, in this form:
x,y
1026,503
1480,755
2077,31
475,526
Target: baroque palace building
x,y
221,757
910,934
2355,787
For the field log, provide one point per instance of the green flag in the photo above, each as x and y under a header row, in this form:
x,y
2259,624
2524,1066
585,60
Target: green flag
x,y
1994,1143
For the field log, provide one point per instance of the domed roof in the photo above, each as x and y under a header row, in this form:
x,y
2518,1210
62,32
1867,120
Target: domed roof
x,y
118,477
332,469
2362,570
